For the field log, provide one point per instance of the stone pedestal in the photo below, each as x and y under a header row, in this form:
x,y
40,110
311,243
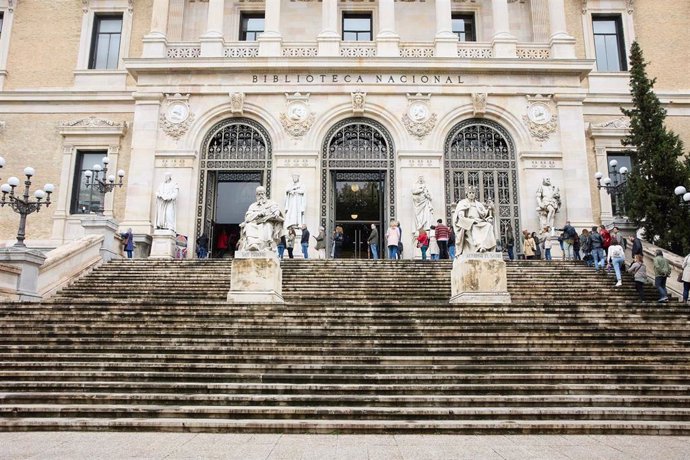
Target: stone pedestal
x,y
101,225
29,261
256,278
163,245
479,279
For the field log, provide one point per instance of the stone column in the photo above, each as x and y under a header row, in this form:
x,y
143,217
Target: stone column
x,y
140,178
212,40
562,44
270,42
387,40
540,20
446,42
329,40
504,43
156,41
577,201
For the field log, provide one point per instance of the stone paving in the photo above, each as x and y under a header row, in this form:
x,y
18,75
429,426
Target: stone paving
x,y
110,445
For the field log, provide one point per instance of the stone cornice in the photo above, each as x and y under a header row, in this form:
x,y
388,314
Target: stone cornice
x,y
93,126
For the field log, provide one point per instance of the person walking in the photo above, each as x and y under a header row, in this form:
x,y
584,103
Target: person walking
x,y
321,243
338,240
128,242
304,241
434,250
569,236
442,235
510,242
546,243
586,247
639,271
222,244
400,241
290,242
392,240
530,246
685,278
636,244
281,247
605,237
202,246
423,242
537,246
373,242
662,270
598,254
616,257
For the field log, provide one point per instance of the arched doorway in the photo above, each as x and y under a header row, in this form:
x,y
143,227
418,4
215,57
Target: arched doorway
x,y
357,182
480,153
236,157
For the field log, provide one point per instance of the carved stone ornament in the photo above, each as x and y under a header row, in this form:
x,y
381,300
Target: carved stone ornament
x,y
359,99
618,123
237,103
540,118
418,119
479,101
176,116
93,122
298,117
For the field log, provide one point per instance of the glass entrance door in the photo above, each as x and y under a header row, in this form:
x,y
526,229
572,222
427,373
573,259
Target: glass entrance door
x,y
358,205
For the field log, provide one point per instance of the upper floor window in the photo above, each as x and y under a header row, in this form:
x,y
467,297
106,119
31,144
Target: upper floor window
x,y
251,25
85,199
105,43
464,27
357,27
609,44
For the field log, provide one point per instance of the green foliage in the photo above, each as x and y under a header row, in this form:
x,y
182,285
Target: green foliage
x,y
659,165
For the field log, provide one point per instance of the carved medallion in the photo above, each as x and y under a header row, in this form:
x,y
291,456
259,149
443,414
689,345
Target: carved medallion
x,y
479,101
237,103
176,116
298,117
358,101
540,118
418,119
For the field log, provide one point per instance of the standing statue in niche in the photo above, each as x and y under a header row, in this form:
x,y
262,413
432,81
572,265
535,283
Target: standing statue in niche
x,y
548,203
474,225
295,203
166,203
263,224
423,208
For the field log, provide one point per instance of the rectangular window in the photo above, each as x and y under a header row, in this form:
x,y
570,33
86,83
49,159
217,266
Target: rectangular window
x,y
464,28
251,25
609,44
624,161
105,42
357,27
1,21
85,199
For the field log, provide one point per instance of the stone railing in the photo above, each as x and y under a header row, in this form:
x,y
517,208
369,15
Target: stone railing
x,y
9,280
473,50
526,51
68,262
300,50
184,50
241,50
352,49
674,260
416,50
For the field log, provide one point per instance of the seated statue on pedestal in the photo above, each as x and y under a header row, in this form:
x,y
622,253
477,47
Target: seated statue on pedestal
x,y
474,225
263,224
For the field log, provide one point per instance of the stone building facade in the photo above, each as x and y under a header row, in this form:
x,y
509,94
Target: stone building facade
x,y
358,98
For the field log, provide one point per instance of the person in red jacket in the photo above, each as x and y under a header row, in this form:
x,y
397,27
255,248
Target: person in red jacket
x,y
222,242
605,237
423,242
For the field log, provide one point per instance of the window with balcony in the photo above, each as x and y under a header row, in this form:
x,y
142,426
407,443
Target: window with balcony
x,y
357,27
464,27
251,25
85,199
609,44
105,42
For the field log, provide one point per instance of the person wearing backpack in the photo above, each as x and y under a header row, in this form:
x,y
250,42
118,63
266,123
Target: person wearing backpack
x,y
616,257
569,236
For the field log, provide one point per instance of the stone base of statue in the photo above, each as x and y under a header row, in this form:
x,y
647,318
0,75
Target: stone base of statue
x,y
479,278
163,244
256,278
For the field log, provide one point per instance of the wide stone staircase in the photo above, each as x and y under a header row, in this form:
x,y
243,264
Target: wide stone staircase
x,y
359,346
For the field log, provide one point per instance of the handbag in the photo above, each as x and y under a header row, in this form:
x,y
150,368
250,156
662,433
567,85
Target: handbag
x,y
680,277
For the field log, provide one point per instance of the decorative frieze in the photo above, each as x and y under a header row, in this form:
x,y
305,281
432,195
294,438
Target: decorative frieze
x,y
418,119
618,123
176,116
540,117
298,117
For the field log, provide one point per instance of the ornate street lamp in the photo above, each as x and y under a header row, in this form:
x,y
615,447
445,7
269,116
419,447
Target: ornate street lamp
x,y
614,185
23,205
98,179
683,196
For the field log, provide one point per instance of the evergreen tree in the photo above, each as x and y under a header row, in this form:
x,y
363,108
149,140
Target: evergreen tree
x,y
658,165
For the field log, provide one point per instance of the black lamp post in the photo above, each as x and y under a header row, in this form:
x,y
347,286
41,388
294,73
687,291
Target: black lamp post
x,y
24,205
683,196
98,179
614,185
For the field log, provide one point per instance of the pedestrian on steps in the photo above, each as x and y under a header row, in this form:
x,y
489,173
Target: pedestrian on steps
x,y
304,241
202,246
321,243
128,242
598,254
530,247
639,272
338,240
434,250
662,270
281,247
290,241
423,242
685,277
392,240
442,236
373,242
616,257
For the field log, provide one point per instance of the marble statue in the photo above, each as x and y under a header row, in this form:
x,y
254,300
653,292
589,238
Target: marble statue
x,y
295,203
263,224
473,223
166,203
548,203
423,208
